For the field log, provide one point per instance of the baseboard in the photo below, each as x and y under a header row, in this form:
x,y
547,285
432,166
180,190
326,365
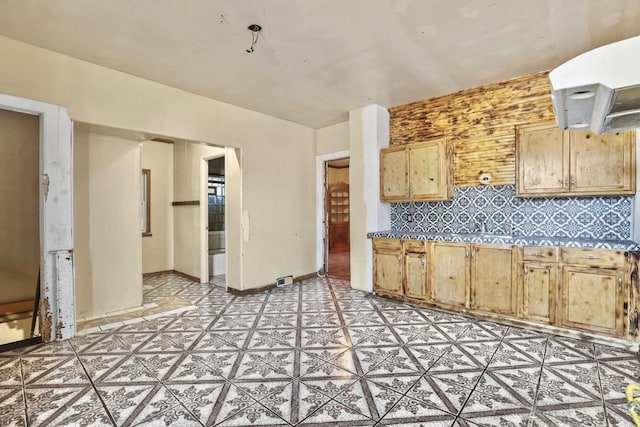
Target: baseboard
x,y
176,272
244,292
158,273
305,277
186,276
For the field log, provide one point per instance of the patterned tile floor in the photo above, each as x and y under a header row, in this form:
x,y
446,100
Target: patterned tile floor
x,y
316,353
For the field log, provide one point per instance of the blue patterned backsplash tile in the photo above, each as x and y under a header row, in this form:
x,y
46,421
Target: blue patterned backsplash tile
x,y
503,212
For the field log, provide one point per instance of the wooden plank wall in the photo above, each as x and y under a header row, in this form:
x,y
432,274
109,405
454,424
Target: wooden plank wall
x,y
480,122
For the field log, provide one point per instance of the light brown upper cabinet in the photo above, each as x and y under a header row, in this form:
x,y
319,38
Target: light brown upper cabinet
x,y
552,162
416,172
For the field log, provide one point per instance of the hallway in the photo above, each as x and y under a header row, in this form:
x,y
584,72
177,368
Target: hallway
x,y
310,354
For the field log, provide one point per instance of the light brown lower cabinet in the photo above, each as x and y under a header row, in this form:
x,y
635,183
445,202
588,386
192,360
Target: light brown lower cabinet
x,y
387,266
539,283
494,279
580,289
592,299
449,274
415,269
592,288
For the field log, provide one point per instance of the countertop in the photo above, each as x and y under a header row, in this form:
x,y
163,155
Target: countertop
x,y
626,245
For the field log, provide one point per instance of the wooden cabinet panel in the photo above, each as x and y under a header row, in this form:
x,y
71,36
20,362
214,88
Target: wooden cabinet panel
x,y
592,299
387,266
602,163
551,162
393,174
542,160
591,257
494,276
416,172
449,274
427,171
538,291
415,278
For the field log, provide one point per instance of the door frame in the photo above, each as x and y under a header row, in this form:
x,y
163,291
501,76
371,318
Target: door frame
x,y
204,213
321,226
57,314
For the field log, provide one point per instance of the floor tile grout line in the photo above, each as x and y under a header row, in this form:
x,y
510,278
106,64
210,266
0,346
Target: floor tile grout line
x,y
93,386
24,391
459,414
535,397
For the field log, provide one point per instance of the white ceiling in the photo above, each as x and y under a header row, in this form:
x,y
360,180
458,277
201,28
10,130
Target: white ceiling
x,y
318,59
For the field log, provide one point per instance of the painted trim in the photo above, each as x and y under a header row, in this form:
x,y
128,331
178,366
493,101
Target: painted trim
x,y
320,196
635,223
57,304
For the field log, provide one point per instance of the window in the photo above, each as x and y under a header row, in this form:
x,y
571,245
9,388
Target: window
x,y
145,183
216,202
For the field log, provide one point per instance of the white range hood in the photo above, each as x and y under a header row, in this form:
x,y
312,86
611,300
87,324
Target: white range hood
x,y
600,89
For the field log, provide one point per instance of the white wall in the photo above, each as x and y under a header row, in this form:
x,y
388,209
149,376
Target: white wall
x,y
369,132
187,185
333,138
277,157
157,249
107,234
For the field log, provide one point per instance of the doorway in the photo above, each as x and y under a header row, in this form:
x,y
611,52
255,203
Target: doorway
x,y
19,226
216,219
337,218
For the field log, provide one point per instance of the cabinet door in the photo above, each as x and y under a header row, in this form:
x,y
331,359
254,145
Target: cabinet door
x,y
387,272
415,278
542,160
428,171
393,174
592,299
539,289
494,275
602,164
449,274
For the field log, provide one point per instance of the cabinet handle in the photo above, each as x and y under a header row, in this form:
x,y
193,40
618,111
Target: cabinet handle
x,y
538,255
399,258
466,252
619,282
573,182
590,257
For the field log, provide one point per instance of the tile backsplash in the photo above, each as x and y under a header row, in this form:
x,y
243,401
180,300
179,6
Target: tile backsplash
x,y
502,212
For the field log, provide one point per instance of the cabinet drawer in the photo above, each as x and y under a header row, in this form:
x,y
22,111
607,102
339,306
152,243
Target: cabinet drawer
x,y
391,244
540,253
415,246
602,258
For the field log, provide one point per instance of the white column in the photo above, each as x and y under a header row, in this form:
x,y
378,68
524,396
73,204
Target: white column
x,y
368,133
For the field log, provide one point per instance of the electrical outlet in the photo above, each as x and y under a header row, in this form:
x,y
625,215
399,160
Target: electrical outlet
x,y
286,280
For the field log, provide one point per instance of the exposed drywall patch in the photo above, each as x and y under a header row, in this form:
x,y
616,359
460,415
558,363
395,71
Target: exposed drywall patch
x,y
45,318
